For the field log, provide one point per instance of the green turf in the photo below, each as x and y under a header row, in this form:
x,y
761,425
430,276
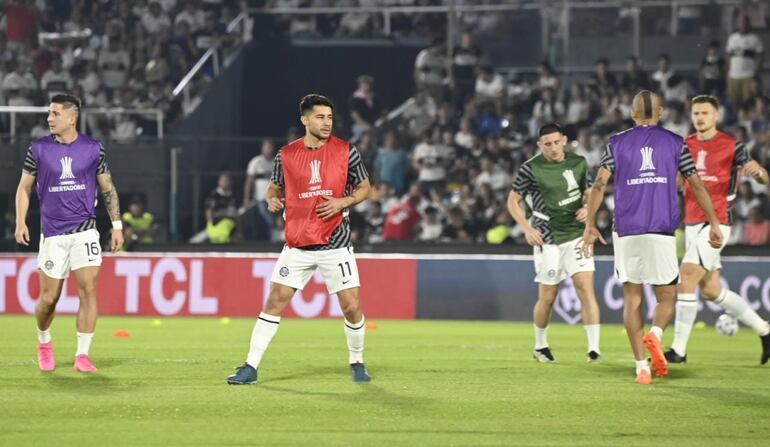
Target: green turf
x,y
434,383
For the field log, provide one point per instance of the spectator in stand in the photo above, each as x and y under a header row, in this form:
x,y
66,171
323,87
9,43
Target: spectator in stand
x,y
602,82
430,162
675,119
430,68
745,57
546,78
158,68
20,86
584,147
392,163
464,136
757,230
547,109
21,20
419,113
192,15
155,20
183,39
501,233
634,78
221,212
365,107
431,226
457,228
466,58
745,201
258,174
672,85
492,175
212,33
375,220
365,146
355,24
490,88
401,221
578,107
139,226
113,64
56,80
712,71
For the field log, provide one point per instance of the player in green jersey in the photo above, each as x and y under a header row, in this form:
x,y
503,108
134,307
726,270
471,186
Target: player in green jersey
x,y
554,183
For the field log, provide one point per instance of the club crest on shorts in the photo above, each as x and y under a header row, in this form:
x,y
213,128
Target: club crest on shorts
x,y
48,264
551,273
284,272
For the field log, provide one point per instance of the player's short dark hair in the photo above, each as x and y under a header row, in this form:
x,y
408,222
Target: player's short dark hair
x,y
309,101
67,100
706,99
549,129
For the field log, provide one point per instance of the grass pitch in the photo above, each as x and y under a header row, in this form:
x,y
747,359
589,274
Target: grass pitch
x,y
434,383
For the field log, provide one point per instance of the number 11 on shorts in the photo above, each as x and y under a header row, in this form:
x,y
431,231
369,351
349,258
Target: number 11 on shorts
x,y
342,268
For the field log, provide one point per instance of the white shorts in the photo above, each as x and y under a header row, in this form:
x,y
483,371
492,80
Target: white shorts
x,y
646,259
697,248
554,263
295,267
60,254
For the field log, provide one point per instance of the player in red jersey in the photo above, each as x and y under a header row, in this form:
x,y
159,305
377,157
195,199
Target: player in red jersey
x,y
315,180
719,159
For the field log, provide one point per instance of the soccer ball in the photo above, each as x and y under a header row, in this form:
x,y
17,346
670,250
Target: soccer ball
x,y
727,325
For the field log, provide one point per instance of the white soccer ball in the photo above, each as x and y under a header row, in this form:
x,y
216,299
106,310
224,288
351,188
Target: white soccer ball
x,y
727,325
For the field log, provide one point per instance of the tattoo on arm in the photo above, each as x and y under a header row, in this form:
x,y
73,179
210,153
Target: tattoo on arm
x,y
599,184
110,196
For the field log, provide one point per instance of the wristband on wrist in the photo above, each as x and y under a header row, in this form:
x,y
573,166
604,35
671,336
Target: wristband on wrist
x,y
117,224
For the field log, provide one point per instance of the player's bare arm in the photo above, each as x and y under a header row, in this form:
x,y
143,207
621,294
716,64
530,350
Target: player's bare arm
x,y
533,236
275,200
595,197
333,205
704,201
23,196
755,170
112,204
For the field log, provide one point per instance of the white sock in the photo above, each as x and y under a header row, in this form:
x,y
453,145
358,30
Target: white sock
x,y
592,333
355,333
44,336
264,330
686,311
84,343
658,332
641,365
740,309
541,337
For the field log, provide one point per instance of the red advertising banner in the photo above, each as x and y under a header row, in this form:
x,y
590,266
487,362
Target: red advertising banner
x,y
222,285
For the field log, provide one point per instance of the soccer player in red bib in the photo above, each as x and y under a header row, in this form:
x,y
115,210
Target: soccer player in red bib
x,y
315,180
719,159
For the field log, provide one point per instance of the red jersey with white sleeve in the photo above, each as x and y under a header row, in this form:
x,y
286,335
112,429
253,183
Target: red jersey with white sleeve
x,y
718,161
308,174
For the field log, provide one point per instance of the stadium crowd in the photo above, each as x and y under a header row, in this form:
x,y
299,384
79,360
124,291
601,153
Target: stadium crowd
x,y
115,53
444,165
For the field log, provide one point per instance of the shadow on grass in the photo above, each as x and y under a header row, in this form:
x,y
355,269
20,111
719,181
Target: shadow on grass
x,y
725,396
370,391
87,383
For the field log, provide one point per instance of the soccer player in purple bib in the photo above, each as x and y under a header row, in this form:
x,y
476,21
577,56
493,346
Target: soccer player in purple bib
x,y
645,161
67,167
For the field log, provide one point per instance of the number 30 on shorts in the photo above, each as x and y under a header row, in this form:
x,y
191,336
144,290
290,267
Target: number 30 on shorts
x,y
579,252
